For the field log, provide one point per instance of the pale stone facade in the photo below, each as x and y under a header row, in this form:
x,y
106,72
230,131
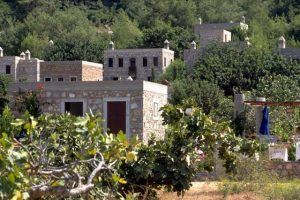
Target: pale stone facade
x,y
216,32
67,70
23,68
207,34
140,64
20,68
143,101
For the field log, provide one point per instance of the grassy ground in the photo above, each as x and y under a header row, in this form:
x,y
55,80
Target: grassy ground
x,y
207,191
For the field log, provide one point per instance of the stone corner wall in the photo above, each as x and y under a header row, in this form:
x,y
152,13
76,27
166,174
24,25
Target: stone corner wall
x,y
92,73
285,169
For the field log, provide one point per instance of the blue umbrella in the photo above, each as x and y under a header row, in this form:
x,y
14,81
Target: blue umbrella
x,y
264,127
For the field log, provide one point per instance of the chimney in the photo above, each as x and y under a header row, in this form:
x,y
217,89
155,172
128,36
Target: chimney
x,y
27,55
22,55
166,44
200,20
1,52
111,45
51,43
243,20
281,43
193,45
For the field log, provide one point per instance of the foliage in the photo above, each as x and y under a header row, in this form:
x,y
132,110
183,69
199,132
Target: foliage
x,y
60,156
125,32
175,71
4,100
204,94
28,102
278,88
235,67
251,176
165,163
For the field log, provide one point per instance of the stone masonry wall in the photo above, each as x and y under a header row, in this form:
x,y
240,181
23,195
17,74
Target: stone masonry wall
x,y
210,35
11,61
142,72
28,70
191,56
61,69
93,95
92,72
153,102
285,169
20,69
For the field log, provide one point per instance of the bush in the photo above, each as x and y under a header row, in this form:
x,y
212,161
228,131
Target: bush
x,y
250,176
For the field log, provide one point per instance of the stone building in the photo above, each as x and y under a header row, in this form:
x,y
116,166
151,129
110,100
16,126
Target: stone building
x,y
130,106
216,32
70,71
140,64
77,87
23,68
20,68
207,34
293,53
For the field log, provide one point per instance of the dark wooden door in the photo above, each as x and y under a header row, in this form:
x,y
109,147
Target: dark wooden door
x,y
116,116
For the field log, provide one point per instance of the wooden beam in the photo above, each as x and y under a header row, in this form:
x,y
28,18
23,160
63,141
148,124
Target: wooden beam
x,y
272,103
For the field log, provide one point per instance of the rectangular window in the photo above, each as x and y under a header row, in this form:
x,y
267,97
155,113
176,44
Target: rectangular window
x,y
73,78
110,62
165,61
60,79
8,69
48,79
132,62
155,61
74,108
120,62
145,62
115,78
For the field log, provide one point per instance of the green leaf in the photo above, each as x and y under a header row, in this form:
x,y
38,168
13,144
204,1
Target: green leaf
x,y
11,178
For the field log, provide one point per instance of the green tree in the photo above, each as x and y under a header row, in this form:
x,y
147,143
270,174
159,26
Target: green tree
x,y
125,32
59,157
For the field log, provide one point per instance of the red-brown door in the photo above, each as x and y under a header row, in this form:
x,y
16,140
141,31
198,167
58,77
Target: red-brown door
x,y
116,116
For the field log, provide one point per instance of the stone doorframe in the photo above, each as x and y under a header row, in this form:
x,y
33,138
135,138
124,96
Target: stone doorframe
x,y
125,99
63,101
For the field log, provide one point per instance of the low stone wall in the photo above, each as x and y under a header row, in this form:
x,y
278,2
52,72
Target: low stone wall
x,y
285,169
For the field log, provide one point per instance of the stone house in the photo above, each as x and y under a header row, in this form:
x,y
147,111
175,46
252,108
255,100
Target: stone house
x,y
216,32
23,68
70,71
20,68
207,34
293,53
130,106
140,64
77,87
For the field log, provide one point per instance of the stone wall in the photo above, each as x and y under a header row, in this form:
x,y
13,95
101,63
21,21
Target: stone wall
x,y
285,169
12,61
191,56
92,71
154,98
28,70
143,73
82,70
139,96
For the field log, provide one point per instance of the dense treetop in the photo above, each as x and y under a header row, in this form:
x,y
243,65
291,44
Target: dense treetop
x,y
81,29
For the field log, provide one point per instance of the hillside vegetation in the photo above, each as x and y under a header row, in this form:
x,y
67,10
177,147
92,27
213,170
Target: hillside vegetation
x,y
81,29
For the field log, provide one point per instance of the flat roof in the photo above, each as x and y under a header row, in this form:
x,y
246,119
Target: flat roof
x,y
122,85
